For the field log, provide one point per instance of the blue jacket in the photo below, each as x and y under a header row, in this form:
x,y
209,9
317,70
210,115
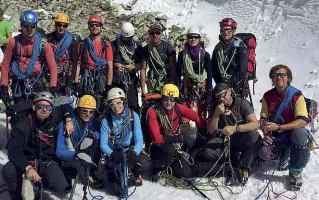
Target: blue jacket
x,y
107,147
77,137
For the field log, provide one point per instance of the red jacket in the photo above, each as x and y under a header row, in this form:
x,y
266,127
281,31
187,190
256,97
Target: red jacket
x,y
156,130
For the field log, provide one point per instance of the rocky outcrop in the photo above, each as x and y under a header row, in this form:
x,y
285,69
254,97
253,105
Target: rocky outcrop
x,y
80,10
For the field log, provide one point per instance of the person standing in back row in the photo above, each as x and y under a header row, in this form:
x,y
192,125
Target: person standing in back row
x,y
96,62
230,57
160,55
127,59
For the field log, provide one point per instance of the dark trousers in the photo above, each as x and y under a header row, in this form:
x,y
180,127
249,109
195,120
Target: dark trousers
x,y
164,154
50,172
131,94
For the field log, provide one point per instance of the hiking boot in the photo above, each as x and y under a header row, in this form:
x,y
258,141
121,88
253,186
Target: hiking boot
x,y
295,179
243,176
283,164
95,181
138,180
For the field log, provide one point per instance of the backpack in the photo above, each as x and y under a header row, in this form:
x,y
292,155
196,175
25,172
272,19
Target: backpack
x,y
250,41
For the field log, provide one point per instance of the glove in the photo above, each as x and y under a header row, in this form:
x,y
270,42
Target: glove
x,y
4,93
76,89
170,139
116,157
53,90
133,159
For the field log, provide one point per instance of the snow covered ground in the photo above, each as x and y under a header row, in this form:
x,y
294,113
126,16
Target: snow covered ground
x,y
287,33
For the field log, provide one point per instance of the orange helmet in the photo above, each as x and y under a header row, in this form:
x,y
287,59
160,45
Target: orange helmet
x,y
63,18
95,18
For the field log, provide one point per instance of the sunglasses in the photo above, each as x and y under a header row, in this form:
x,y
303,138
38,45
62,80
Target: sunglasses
x,y
42,107
62,25
95,25
155,33
29,26
222,95
279,75
86,111
114,104
167,99
193,37
226,30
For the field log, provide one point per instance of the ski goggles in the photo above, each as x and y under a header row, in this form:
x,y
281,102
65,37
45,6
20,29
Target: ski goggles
x,y
95,25
62,25
114,104
168,99
228,30
42,107
86,111
279,75
155,33
193,37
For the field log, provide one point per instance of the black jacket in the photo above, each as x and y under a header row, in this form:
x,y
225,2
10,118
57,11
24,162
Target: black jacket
x,y
232,58
205,65
73,52
25,144
132,46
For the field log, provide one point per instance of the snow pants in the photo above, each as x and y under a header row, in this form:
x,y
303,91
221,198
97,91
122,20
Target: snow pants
x,y
50,172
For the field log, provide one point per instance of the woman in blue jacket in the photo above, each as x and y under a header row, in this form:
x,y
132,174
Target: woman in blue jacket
x,y
121,132
81,147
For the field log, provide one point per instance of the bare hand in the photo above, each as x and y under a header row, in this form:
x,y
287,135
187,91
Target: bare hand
x,y
129,68
267,140
270,126
118,67
69,127
220,109
32,175
229,130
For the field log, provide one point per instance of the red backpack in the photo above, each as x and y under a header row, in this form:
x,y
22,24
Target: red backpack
x,y
250,41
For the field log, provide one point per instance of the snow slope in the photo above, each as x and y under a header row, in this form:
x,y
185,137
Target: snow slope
x,y
287,33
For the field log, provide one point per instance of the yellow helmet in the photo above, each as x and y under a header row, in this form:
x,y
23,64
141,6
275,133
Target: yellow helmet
x,y
62,18
87,101
170,90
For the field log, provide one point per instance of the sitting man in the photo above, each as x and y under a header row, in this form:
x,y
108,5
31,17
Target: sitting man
x,y
283,119
234,118
81,148
164,121
121,137
31,148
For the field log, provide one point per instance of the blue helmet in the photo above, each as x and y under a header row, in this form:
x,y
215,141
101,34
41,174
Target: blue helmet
x,y
28,17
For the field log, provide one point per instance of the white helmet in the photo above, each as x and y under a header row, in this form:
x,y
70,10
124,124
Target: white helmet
x,y
193,30
127,29
44,96
115,93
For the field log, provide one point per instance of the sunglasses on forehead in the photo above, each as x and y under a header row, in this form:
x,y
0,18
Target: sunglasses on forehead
x,y
62,25
42,107
222,95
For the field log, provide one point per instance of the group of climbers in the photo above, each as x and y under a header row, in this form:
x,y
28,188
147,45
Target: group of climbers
x,y
60,144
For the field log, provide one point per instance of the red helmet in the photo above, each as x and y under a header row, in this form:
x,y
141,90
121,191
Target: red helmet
x,y
95,18
228,22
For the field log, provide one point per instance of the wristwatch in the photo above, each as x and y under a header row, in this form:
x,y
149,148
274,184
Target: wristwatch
x,y
237,128
279,130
